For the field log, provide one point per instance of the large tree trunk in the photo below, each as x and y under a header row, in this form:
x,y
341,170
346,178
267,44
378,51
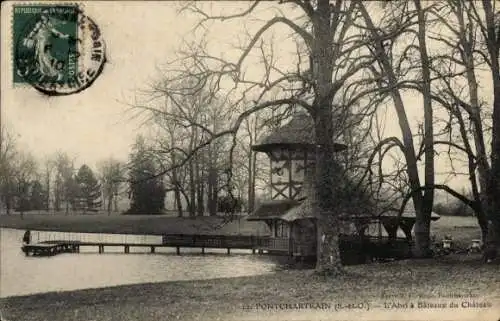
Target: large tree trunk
x,y
467,44
423,221
479,202
328,256
493,188
326,177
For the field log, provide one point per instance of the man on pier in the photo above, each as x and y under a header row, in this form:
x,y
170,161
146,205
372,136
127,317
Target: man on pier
x,y
27,237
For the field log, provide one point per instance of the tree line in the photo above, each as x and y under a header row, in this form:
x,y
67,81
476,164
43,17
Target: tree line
x,y
55,184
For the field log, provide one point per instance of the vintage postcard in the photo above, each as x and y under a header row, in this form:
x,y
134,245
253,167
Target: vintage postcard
x,y
250,160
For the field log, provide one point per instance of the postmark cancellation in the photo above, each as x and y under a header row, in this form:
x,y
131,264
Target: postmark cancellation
x,y
57,49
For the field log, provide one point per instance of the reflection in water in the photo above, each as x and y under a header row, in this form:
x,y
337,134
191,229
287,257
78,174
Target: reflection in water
x,y
20,275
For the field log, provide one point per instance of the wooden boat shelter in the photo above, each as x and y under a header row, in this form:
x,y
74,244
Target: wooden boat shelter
x,y
289,213
292,153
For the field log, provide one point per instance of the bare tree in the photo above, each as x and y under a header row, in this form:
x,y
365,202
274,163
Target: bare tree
x,y
25,171
7,167
198,179
18,170
490,29
64,189
111,175
390,75
177,177
455,65
469,45
254,130
48,169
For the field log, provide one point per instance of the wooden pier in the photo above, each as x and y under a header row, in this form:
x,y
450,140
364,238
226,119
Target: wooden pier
x,y
353,249
177,241
49,249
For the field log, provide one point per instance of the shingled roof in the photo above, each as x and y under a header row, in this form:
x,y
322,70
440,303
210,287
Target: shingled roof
x,y
302,211
273,209
297,133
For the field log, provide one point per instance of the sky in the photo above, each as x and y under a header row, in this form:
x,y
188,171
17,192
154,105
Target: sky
x,y
94,124
97,122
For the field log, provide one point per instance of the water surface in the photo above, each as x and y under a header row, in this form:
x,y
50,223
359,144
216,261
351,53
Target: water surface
x,y
21,275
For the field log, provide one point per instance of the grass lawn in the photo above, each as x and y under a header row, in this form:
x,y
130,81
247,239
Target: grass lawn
x,y
462,229
132,224
456,279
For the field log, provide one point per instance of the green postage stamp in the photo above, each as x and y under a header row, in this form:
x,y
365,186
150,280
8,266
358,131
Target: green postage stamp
x,y
57,49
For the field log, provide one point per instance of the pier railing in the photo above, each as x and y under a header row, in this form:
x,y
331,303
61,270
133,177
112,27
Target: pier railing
x,y
108,238
216,241
173,240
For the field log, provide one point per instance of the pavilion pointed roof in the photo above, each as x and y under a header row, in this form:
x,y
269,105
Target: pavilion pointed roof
x,y
297,133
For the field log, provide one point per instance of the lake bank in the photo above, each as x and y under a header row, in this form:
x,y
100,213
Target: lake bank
x,y
454,278
461,229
